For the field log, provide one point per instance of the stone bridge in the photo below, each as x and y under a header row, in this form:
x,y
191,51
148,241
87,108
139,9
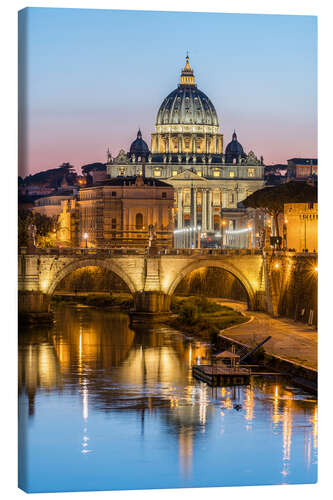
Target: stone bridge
x,y
152,279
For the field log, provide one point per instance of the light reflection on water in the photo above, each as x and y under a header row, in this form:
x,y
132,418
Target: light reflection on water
x,y
105,407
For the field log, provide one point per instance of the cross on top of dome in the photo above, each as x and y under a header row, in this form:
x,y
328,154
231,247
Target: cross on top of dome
x,y
187,76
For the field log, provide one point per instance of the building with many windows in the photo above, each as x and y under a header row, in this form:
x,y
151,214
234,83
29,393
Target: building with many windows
x,y
187,153
120,212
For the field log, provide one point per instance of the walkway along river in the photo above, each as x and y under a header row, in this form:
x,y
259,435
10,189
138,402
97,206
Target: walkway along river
x,y
103,406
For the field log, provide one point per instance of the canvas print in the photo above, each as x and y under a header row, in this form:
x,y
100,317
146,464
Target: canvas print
x,y
167,250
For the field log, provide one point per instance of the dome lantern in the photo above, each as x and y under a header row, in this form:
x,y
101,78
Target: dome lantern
x,y
187,75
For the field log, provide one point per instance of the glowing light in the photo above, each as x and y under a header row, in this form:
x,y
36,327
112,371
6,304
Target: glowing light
x,y
85,400
316,269
239,231
249,404
44,285
85,236
276,266
276,416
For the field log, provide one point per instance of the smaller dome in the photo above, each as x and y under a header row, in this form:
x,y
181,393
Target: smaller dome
x,y
234,149
139,147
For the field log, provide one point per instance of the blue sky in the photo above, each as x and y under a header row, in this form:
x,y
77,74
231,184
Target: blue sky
x,y
94,76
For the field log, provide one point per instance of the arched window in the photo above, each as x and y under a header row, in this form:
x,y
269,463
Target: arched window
x,y
139,221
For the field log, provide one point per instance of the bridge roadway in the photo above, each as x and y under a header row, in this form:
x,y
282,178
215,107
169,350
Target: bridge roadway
x,y
151,277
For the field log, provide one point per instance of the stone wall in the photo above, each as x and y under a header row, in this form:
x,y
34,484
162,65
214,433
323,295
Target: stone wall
x,y
300,295
291,285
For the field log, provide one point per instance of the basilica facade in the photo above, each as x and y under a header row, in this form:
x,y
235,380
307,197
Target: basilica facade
x,y
187,152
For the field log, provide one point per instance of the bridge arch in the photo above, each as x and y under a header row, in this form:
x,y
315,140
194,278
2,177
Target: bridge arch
x,y
209,263
86,262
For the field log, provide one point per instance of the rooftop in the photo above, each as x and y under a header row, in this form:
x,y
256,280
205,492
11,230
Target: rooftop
x,y
131,181
304,161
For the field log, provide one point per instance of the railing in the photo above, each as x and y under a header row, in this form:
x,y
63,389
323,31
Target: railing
x,y
210,251
105,252
167,251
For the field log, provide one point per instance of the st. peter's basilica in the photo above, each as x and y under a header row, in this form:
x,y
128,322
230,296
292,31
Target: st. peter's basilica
x,y
187,152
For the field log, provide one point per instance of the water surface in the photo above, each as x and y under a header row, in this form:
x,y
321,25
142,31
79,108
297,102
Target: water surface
x,y
103,406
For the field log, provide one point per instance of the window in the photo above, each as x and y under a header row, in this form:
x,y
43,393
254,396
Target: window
x,y
251,172
157,172
139,221
216,173
164,194
114,223
231,173
232,198
113,193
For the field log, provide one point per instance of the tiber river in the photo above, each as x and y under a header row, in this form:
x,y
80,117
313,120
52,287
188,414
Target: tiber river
x,y
106,407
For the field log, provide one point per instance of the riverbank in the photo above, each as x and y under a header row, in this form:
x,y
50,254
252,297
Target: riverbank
x,y
290,340
292,349
202,317
107,301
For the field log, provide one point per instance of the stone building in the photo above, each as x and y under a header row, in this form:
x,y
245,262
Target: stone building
x,y
121,212
301,226
302,169
51,205
187,152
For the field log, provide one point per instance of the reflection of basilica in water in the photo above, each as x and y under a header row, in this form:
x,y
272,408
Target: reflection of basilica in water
x,y
113,369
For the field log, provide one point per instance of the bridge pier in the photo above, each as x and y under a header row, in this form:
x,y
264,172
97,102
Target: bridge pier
x,y
34,306
152,302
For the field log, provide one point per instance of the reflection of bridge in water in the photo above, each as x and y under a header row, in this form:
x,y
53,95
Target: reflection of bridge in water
x,y
114,369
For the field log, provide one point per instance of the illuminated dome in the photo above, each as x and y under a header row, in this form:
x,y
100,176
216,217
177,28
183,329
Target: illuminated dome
x,y
186,122
187,104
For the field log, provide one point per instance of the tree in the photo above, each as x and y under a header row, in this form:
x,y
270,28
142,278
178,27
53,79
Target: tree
x,y
52,176
272,199
45,227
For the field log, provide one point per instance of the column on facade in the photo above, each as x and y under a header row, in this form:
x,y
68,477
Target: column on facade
x,y
195,219
179,143
180,208
204,210
225,200
193,144
210,211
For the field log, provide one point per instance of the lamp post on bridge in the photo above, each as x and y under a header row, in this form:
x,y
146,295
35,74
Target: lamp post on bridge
x,y
85,236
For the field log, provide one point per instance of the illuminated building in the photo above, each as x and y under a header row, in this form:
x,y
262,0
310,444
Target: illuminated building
x,y
120,212
301,226
302,169
187,152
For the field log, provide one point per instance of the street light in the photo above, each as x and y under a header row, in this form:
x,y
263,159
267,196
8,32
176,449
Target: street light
x,y
85,236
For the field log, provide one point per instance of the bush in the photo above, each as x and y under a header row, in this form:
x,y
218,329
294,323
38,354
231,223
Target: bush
x,y
189,314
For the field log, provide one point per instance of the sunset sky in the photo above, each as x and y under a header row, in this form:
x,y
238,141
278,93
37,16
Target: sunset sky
x,y
92,77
